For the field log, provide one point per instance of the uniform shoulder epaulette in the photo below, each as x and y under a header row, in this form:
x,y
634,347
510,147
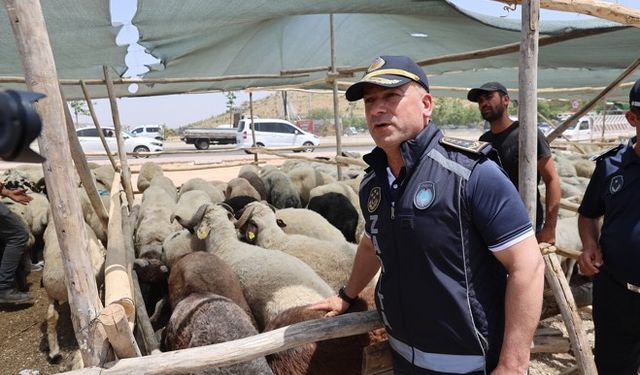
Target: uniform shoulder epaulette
x,y
606,154
475,147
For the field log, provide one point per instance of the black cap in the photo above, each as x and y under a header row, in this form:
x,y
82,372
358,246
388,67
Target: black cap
x,y
388,71
474,94
634,95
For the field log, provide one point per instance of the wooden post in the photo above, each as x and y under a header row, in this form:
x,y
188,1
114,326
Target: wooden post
x,y
336,106
528,106
117,282
92,111
84,171
114,321
253,126
124,166
32,40
587,107
562,292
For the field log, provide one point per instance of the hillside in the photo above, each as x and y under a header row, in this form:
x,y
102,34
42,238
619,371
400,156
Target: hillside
x,y
299,103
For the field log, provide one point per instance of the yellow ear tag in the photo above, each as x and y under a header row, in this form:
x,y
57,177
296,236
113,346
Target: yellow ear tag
x,y
251,236
203,233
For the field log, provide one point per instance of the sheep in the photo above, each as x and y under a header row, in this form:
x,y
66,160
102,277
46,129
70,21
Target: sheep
x,y
238,203
189,202
179,244
255,181
53,278
337,210
24,176
336,356
331,260
216,195
167,185
204,319
241,187
103,176
148,171
271,280
309,223
347,191
203,272
280,190
304,179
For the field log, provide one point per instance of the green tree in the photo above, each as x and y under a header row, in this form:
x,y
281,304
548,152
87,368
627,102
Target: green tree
x,y
79,107
320,114
231,101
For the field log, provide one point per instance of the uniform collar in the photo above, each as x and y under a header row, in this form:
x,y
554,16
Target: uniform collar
x,y
629,154
411,150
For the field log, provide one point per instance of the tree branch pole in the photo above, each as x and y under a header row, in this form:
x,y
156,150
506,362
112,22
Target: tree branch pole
x,y
82,166
92,111
253,126
336,104
32,40
601,9
573,119
528,106
124,166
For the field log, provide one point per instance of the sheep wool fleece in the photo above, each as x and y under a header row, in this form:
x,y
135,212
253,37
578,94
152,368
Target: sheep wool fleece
x,y
441,291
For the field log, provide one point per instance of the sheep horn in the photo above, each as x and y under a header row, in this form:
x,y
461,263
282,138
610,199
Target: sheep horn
x,y
227,207
195,219
245,214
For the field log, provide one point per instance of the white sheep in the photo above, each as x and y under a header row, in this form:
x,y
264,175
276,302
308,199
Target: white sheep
x,y
154,221
148,171
241,187
54,280
216,194
167,185
305,178
179,244
308,223
331,260
272,281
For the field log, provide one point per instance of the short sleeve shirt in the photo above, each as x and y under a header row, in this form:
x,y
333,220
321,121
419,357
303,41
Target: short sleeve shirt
x,y
614,191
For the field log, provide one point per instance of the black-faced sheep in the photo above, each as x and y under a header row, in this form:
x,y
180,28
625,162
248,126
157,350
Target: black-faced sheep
x,y
346,190
331,260
204,319
272,281
337,210
238,203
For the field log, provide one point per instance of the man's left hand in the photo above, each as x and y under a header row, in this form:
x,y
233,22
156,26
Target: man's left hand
x,y
17,195
547,235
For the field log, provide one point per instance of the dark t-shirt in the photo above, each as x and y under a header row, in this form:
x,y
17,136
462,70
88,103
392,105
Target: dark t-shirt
x,y
506,143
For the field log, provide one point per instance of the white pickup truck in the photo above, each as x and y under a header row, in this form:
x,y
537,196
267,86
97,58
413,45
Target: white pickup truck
x,y
589,128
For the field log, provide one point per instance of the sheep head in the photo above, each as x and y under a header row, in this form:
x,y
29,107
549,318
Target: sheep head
x,y
255,217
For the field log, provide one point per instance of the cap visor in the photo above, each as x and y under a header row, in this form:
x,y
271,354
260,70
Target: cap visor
x,y
356,91
474,94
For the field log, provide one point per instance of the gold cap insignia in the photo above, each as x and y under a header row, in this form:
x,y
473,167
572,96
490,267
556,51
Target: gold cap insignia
x,y
376,64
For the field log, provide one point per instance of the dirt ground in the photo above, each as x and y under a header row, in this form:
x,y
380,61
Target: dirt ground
x,y
23,343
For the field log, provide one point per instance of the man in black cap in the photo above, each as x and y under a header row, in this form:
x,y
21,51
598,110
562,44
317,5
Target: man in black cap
x,y
447,227
612,252
493,102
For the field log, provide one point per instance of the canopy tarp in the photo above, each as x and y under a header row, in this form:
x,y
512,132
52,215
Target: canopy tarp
x,y
213,38
82,39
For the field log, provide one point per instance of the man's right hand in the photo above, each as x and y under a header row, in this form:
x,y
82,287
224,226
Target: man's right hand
x,y
590,261
333,305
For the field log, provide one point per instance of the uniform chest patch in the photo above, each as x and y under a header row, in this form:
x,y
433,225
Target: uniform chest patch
x,y
425,195
616,184
375,195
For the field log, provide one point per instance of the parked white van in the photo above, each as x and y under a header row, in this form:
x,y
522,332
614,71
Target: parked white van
x,y
151,131
274,133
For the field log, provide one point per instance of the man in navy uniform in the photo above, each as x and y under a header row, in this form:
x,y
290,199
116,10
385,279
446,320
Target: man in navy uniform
x,y
493,102
447,226
612,252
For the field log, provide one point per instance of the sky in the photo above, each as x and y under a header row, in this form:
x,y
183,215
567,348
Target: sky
x,y
178,110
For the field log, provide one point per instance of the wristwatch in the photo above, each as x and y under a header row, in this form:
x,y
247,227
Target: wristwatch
x,y
343,295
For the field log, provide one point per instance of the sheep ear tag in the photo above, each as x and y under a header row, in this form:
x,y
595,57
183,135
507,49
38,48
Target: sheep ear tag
x,y
202,233
250,236
425,195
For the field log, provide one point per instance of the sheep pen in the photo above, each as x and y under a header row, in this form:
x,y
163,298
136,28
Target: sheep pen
x,y
28,330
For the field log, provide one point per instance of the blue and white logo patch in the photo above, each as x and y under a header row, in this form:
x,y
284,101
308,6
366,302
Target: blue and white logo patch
x,y
616,184
425,195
